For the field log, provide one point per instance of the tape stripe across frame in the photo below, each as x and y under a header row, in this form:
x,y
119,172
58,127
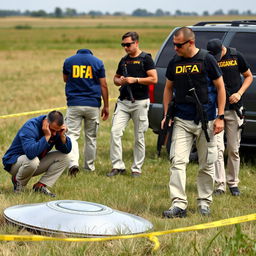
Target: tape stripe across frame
x,y
153,236
38,111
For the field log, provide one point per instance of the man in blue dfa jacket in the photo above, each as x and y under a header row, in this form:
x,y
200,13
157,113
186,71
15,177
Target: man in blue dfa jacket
x,y
29,154
85,79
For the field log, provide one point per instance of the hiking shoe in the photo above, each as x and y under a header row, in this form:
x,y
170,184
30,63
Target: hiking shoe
x,y
115,171
175,212
41,188
234,191
218,192
204,210
136,174
17,187
73,170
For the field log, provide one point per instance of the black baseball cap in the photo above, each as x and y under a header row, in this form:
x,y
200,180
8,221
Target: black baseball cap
x,y
214,46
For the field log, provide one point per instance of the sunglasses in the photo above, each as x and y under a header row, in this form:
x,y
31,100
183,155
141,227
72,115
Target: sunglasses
x,y
179,45
127,44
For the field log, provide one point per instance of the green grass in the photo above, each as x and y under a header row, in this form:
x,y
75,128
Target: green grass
x,y
31,79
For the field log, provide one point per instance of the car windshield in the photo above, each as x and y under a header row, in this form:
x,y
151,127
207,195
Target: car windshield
x,y
242,41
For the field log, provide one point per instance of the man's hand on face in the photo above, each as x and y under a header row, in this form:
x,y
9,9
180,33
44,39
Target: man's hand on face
x,y
62,133
50,130
63,130
46,129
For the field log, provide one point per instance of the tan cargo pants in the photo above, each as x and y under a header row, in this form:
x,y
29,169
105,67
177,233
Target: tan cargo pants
x,y
52,165
233,136
90,116
138,112
184,134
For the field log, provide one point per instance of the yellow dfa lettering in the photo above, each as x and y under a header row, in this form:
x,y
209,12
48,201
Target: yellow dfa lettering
x,y
194,69
82,71
88,72
187,68
75,71
178,69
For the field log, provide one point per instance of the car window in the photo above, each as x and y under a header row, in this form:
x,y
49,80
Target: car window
x,y
166,54
245,43
202,38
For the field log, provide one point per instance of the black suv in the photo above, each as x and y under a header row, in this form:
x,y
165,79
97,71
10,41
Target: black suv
x,y
237,34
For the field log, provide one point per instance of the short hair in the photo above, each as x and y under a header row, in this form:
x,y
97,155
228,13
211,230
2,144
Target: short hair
x,y
55,116
133,35
187,33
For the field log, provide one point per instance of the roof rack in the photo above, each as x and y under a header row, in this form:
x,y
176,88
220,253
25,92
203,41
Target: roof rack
x,y
234,23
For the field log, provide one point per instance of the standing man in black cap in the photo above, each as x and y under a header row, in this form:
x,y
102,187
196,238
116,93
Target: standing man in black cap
x,y
232,64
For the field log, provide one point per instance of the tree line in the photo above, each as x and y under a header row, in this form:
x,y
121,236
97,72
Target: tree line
x,y
70,12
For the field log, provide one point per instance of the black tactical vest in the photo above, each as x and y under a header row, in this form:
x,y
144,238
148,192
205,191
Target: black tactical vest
x,y
134,67
195,69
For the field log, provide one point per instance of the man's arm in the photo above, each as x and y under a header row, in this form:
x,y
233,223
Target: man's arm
x,y
65,77
118,80
31,144
248,78
63,143
104,93
150,79
219,84
64,147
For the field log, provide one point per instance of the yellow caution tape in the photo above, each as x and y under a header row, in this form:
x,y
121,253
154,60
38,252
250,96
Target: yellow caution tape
x,y
38,111
151,236
31,112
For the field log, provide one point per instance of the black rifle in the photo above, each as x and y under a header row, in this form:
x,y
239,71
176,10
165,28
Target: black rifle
x,y
199,108
166,132
127,86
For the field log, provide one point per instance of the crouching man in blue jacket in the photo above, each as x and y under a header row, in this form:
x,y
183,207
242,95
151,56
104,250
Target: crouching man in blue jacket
x,y
29,154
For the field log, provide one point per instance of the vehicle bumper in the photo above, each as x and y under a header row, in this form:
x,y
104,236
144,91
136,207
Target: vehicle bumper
x,y
155,116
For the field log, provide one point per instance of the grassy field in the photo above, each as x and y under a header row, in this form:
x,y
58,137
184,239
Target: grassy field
x,y
31,79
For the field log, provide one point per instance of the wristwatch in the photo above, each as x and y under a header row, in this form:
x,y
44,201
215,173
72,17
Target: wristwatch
x,y
221,117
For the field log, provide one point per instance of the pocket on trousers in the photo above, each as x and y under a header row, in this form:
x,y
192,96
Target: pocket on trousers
x,y
96,127
143,125
212,153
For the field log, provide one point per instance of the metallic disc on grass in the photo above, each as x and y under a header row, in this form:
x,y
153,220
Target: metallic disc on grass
x,y
76,218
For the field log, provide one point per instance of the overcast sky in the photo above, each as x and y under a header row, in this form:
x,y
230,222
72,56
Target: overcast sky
x,y
128,6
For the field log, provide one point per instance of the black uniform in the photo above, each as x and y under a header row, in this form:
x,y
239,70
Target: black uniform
x,y
202,70
135,67
232,65
126,109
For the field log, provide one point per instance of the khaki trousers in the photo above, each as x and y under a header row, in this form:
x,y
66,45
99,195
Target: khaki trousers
x,y
52,165
233,136
138,112
184,134
90,116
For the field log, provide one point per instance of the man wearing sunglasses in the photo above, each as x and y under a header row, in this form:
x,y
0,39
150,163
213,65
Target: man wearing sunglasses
x,y
135,72
196,80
